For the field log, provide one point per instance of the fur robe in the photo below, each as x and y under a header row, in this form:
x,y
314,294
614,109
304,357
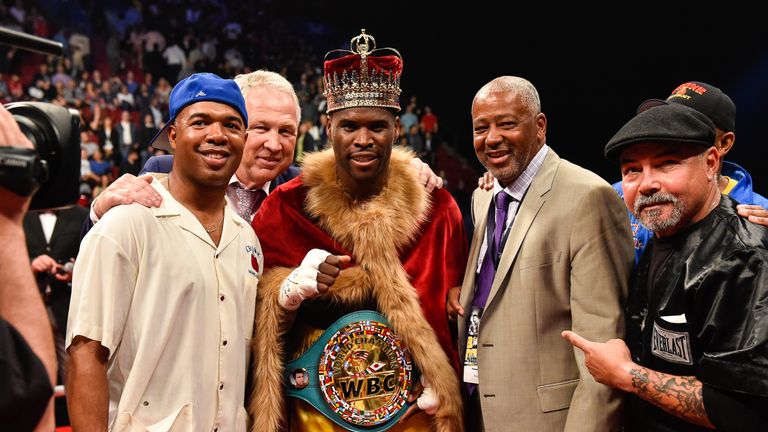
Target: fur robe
x,y
375,231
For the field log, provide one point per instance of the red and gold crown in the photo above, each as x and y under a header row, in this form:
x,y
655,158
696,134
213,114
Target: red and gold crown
x,y
363,77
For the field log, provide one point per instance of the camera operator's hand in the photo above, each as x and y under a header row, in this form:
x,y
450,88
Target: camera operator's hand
x,y
20,302
128,189
63,271
44,264
12,206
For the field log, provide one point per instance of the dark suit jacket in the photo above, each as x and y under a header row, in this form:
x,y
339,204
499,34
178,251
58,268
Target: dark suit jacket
x,y
117,136
309,145
164,163
158,164
113,137
64,245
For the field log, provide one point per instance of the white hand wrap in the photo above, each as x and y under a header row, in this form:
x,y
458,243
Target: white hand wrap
x,y
301,284
428,401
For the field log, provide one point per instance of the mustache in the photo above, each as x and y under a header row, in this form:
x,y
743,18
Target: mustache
x,y
643,201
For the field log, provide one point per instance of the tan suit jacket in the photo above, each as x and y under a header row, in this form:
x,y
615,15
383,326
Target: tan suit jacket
x,y
565,265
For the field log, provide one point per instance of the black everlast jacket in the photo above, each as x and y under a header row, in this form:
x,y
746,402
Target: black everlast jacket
x,y
705,315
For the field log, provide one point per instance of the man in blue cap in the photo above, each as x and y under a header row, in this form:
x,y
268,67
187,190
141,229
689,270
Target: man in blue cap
x,y
163,298
733,180
696,351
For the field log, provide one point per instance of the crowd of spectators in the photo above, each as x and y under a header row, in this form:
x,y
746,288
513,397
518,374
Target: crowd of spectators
x,y
122,59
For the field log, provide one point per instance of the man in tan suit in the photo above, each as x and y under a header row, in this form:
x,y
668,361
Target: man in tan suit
x,y
559,258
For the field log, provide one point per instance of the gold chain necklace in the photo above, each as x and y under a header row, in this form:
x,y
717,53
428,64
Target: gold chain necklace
x,y
207,230
210,230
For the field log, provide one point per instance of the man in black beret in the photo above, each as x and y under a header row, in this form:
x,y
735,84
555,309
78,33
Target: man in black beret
x,y
733,180
696,351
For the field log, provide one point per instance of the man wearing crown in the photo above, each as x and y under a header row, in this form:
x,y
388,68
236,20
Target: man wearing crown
x,y
358,201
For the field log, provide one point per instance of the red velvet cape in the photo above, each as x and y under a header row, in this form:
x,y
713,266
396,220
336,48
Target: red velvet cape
x,y
435,261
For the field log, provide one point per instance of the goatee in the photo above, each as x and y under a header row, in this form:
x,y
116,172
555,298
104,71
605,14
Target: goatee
x,y
653,219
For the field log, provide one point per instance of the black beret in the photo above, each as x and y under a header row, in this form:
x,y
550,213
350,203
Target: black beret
x,y
673,123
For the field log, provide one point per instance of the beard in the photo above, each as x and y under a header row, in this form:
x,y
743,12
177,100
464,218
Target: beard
x,y
654,219
506,175
509,172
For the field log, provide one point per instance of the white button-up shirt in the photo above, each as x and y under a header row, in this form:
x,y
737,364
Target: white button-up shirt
x,y
175,312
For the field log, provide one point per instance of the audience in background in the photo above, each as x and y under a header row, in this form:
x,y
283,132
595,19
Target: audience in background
x,y
108,47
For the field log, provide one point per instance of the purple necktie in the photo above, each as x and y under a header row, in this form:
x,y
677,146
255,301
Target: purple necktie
x,y
488,269
249,201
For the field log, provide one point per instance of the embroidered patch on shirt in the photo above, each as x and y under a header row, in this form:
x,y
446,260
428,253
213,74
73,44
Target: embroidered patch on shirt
x,y
671,345
255,258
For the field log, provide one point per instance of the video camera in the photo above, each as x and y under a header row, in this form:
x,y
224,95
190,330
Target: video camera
x,y
52,170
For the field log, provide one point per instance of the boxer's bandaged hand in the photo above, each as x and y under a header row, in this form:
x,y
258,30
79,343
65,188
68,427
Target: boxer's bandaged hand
x,y
301,284
428,401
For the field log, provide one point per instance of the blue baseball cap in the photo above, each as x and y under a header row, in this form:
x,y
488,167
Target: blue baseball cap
x,y
200,87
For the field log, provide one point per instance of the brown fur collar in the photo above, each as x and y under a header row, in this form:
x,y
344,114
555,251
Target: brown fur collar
x,y
328,201
375,230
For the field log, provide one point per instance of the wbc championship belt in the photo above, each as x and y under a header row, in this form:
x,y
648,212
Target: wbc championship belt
x,y
358,373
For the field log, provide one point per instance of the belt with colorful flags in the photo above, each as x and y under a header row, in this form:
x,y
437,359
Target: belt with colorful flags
x,y
358,373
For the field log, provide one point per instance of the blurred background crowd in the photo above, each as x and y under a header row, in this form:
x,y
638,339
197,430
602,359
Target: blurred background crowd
x,y
123,58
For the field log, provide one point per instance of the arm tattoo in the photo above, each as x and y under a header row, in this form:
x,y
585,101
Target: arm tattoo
x,y
677,395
